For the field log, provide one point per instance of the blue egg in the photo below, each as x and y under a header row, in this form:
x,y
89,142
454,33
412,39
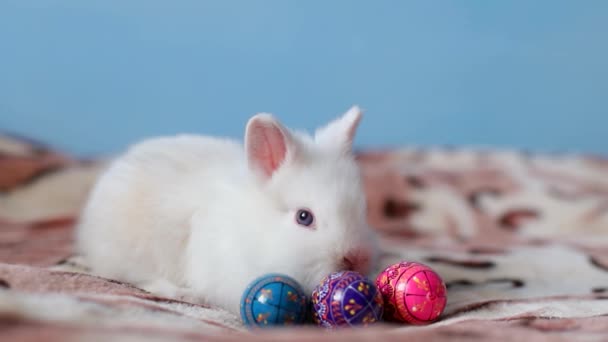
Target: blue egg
x,y
273,299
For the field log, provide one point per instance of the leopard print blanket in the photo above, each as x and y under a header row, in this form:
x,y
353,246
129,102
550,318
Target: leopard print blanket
x,y
520,240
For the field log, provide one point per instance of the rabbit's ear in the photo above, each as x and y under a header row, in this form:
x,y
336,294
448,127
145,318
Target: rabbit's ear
x,y
340,132
268,144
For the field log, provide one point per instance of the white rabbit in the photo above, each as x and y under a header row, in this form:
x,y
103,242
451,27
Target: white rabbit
x,y
201,217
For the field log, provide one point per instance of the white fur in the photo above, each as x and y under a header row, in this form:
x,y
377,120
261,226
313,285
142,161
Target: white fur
x,y
189,216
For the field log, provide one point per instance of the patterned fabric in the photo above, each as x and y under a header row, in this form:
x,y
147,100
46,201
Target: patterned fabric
x,y
520,240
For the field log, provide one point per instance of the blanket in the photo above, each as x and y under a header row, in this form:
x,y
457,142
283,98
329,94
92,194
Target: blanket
x,y
520,239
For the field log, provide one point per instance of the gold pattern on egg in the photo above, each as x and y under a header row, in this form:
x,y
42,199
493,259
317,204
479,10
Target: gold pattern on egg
x,y
263,317
352,307
422,284
419,307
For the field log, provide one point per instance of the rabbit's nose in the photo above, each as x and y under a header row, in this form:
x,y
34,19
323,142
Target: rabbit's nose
x,y
347,264
357,260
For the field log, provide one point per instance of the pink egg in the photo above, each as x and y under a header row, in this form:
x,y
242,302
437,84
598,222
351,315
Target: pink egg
x,y
412,293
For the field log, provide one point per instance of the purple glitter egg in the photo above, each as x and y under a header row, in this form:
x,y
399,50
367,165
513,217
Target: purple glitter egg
x,y
346,299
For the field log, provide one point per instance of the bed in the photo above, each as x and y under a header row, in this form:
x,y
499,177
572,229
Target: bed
x,y
520,239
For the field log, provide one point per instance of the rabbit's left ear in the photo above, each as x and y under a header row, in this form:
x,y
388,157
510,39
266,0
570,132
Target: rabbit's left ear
x,y
268,144
340,132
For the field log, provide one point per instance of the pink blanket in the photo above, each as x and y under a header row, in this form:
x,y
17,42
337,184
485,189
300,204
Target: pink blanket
x,y
520,240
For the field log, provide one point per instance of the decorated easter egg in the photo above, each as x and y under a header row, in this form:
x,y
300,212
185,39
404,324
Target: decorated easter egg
x,y
412,293
346,299
273,299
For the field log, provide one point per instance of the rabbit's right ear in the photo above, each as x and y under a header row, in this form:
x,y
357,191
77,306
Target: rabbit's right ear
x,y
268,144
341,131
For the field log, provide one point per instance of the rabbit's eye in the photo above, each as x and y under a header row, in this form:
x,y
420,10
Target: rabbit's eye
x,y
305,217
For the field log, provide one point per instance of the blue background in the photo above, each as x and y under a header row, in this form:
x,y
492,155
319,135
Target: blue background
x,y
92,77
